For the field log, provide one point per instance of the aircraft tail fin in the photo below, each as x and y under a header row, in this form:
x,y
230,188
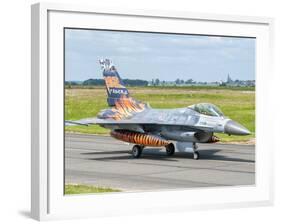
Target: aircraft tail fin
x,y
117,94
115,87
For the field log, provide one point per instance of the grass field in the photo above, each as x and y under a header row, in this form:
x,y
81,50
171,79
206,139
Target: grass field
x,y
86,189
236,103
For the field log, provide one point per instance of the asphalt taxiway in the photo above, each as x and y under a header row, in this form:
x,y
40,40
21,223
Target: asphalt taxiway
x,y
104,161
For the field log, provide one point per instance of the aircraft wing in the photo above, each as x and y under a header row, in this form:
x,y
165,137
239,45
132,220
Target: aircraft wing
x,y
130,122
94,120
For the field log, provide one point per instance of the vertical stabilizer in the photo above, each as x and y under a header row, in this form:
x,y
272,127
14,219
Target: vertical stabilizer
x,y
115,87
123,106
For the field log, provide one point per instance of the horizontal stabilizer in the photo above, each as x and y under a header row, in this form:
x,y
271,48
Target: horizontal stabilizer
x,y
73,123
85,122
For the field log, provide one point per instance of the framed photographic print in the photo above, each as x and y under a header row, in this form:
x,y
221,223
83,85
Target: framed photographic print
x,y
148,111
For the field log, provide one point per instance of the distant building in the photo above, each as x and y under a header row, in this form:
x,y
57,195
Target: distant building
x,y
229,80
191,82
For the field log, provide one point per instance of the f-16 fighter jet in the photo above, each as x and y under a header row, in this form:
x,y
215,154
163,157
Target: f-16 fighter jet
x,y
135,122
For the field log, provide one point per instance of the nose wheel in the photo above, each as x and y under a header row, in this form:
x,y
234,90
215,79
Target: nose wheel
x,y
196,154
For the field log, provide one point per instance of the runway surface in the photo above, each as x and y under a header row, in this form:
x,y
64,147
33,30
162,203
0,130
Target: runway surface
x,y
104,161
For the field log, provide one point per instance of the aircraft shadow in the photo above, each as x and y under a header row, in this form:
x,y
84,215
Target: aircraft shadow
x,y
106,152
158,154
210,154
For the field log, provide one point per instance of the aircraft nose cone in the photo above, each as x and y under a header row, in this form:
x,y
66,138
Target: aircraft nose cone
x,y
233,128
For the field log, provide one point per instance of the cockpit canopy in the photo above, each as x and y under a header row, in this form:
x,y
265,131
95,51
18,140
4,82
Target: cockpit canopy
x,y
207,109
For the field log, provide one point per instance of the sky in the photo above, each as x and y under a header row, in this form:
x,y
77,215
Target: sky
x,y
138,55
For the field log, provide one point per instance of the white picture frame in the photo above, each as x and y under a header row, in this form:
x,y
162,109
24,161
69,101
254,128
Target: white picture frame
x,y
48,201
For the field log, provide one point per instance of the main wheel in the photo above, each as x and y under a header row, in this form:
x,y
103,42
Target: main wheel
x,y
196,155
136,151
170,149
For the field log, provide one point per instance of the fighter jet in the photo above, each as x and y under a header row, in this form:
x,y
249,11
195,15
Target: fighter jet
x,y
135,122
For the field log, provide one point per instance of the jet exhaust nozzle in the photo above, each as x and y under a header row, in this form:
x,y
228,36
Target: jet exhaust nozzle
x,y
233,128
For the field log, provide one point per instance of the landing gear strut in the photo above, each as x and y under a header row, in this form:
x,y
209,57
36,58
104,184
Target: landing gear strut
x,y
196,154
170,149
137,151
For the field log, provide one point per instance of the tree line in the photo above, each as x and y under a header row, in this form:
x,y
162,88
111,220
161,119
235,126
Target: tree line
x,y
100,82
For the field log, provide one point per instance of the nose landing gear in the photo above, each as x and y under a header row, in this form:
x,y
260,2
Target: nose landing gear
x,y
196,154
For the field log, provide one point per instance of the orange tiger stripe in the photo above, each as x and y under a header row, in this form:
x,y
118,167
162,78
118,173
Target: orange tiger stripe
x,y
146,139
139,138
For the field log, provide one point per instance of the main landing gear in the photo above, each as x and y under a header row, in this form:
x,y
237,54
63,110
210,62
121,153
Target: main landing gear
x,y
170,150
137,151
